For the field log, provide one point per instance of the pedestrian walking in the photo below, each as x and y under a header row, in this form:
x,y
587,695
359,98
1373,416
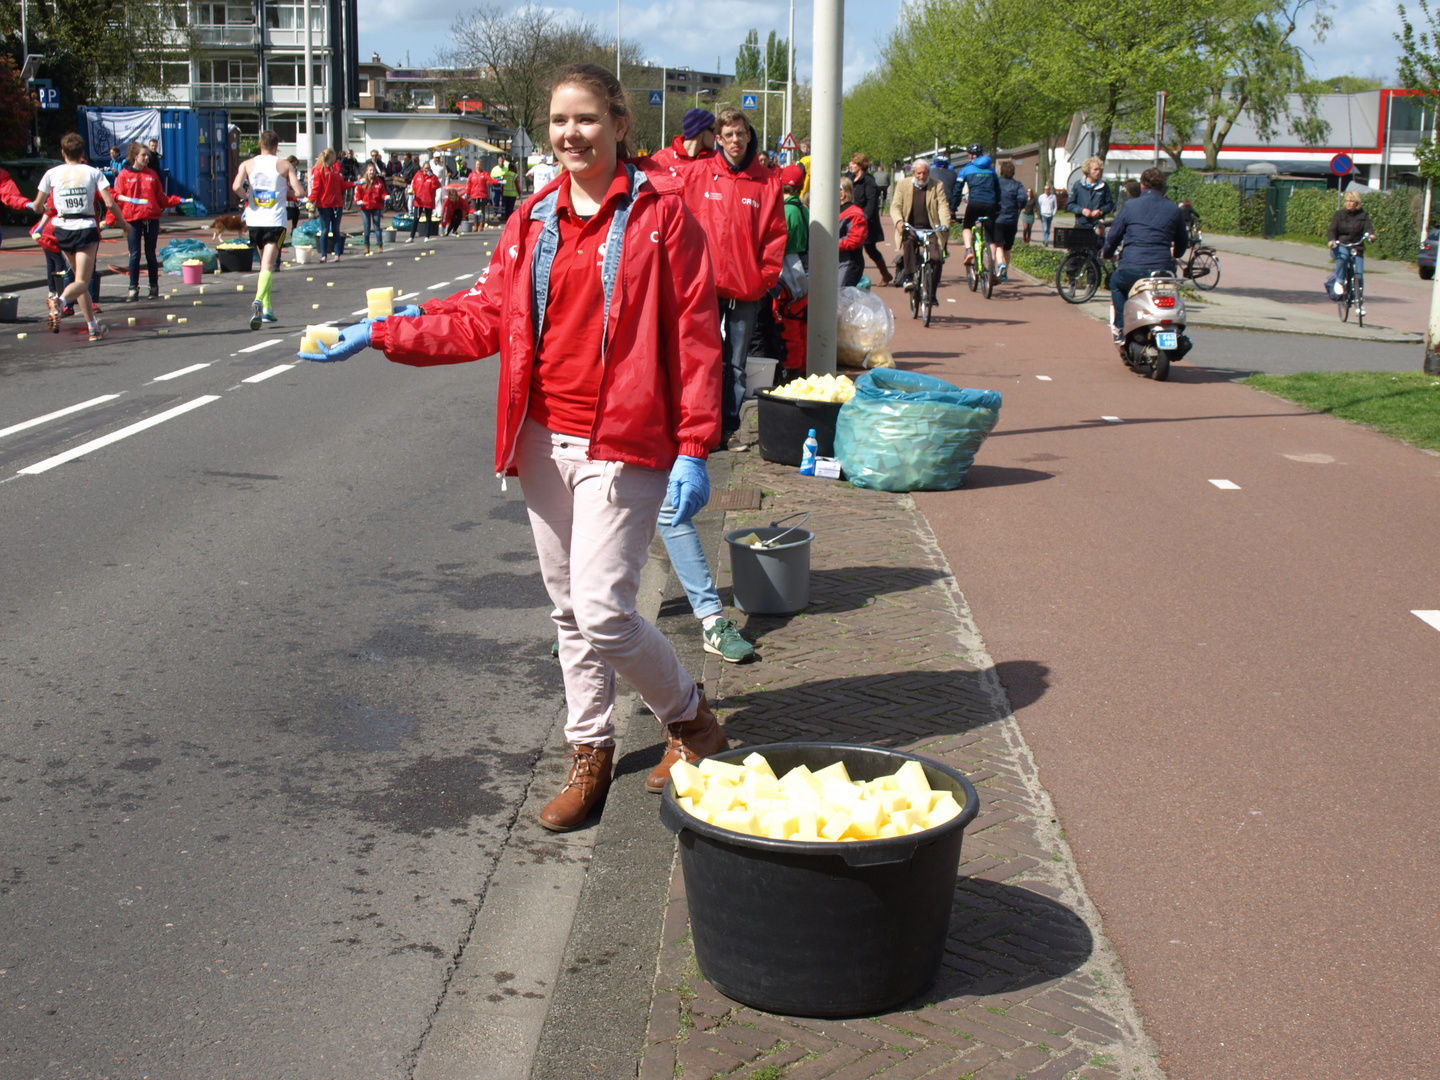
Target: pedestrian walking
x,y
423,188
442,174
1046,204
598,445
58,274
882,184
370,197
497,184
142,201
76,185
265,182
1027,215
867,198
509,188
292,198
477,190
738,206
1007,219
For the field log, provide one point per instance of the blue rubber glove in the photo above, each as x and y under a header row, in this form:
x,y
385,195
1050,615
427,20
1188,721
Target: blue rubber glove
x,y
689,488
352,340
409,311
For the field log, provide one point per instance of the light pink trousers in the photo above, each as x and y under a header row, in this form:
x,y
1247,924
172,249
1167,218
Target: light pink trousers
x,y
593,522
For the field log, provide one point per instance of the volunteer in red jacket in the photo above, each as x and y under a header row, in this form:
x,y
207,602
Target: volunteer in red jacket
x,y
142,200
370,197
601,303
477,190
327,191
10,194
738,205
423,186
854,232
695,142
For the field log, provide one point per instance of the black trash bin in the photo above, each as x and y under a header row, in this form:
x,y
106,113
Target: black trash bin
x,y
785,422
822,929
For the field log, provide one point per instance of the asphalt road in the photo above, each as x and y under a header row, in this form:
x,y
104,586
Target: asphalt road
x,y
274,677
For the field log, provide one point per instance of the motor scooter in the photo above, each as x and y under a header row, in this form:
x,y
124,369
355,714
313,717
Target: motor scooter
x,y
1154,327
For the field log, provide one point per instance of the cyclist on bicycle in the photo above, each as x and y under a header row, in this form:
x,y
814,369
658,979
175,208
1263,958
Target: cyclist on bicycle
x,y
1351,225
1090,197
919,204
982,187
1153,232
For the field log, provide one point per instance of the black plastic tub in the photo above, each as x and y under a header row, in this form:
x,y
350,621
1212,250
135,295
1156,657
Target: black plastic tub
x,y
785,422
235,260
822,929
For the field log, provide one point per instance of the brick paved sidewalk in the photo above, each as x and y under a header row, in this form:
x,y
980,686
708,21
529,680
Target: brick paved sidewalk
x,y
887,654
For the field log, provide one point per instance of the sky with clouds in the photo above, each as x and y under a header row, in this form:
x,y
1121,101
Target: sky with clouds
x,y
695,33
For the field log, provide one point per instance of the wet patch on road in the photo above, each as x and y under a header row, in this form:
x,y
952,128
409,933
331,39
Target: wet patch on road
x,y
435,793
355,725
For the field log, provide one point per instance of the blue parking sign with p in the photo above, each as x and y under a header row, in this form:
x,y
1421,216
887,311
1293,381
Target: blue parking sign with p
x,y
657,98
749,101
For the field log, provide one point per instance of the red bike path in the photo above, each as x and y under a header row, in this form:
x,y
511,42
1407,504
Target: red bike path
x,y
1227,695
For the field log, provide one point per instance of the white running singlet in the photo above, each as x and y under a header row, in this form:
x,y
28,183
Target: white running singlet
x,y
268,190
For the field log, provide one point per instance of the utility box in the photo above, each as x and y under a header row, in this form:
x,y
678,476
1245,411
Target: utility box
x,y
194,146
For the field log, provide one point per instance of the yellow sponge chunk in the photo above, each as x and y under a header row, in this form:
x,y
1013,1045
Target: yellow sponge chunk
x,y
808,826
942,812
719,795
688,779
904,819
911,777
889,829
758,763
760,785
712,769
837,770
800,777
835,825
865,819
741,821
891,801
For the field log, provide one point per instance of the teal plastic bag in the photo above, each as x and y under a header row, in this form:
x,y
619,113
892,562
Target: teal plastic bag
x,y
173,254
903,431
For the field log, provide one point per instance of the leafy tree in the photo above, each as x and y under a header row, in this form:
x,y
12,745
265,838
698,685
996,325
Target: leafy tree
x,y
16,109
1420,49
1245,62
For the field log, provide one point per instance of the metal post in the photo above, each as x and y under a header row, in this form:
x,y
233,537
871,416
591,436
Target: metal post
x,y
617,40
825,184
790,82
1432,336
1159,125
309,93
664,95
765,134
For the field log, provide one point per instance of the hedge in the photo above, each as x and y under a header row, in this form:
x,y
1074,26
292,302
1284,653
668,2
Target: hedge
x,y
1217,204
1395,216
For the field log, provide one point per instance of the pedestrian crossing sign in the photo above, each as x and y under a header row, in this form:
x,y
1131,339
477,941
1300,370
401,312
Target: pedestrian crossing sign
x,y
657,98
749,101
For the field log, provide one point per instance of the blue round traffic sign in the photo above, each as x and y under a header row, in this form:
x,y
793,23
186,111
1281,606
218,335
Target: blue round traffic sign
x,y
1341,165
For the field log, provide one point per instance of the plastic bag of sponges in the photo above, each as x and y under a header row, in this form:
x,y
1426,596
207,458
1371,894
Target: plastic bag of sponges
x,y
865,329
903,431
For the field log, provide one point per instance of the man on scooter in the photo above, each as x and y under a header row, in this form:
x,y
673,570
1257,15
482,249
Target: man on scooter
x,y
1153,231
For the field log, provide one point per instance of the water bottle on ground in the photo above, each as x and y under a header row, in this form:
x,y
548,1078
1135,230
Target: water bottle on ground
x,y
807,456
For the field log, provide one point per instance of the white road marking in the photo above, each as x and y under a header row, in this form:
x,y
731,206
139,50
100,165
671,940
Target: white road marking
x,y
115,436
262,376
1226,485
1044,378
261,345
1117,420
407,296
13,428
439,285
1431,617
183,371
363,310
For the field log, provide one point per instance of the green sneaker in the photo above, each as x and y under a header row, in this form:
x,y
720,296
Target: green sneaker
x,y
724,640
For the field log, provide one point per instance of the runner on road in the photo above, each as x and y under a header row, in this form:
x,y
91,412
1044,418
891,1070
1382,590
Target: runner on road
x,y
75,186
270,180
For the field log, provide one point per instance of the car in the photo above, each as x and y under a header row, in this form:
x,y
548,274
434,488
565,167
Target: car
x,y
1427,255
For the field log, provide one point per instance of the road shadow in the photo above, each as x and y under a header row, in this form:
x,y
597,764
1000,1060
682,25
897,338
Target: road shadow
x,y
1025,682
988,476
846,588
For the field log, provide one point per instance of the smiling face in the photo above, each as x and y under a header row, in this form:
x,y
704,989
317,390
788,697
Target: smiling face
x,y
583,133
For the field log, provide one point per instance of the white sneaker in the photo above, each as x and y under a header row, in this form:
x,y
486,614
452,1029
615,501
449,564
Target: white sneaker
x,y
1362,309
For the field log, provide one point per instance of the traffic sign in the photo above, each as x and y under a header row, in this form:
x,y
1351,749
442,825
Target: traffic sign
x,y
788,143
49,97
657,98
1342,165
749,101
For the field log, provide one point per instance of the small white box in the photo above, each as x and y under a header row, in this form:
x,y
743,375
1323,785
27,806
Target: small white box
x,y
827,468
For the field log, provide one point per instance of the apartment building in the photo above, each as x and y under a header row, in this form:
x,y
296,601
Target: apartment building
x,y
251,61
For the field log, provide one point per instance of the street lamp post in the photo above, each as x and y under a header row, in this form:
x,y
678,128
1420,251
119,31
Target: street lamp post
x,y
825,185
309,92
617,40
790,79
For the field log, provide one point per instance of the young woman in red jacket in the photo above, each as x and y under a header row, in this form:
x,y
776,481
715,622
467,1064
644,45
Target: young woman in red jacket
x,y
423,186
370,197
142,200
477,190
854,231
327,191
606,409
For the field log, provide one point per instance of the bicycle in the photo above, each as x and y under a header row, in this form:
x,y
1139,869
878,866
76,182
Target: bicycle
x,y
1352,291
1202,265
927,275
978,273
1081,273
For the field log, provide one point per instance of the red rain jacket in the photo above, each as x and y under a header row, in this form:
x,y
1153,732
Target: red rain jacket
x,y
477,184
744,221
327,187
424,185
674,155
660,388
371,196
10,194
142,184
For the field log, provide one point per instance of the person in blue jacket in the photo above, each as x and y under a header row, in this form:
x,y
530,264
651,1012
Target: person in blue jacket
x,y
1090,197
982,188
1013,198
1153,233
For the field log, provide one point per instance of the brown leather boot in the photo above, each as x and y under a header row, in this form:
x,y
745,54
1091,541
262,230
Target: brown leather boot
x,y
590,768
691,740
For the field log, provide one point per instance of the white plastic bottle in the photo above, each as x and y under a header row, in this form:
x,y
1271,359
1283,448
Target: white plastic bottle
x,y
807,456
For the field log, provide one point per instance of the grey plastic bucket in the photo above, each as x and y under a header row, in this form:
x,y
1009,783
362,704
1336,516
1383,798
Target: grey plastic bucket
x,y
771,580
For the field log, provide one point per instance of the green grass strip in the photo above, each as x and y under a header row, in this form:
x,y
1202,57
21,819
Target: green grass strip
x,y
1403,405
